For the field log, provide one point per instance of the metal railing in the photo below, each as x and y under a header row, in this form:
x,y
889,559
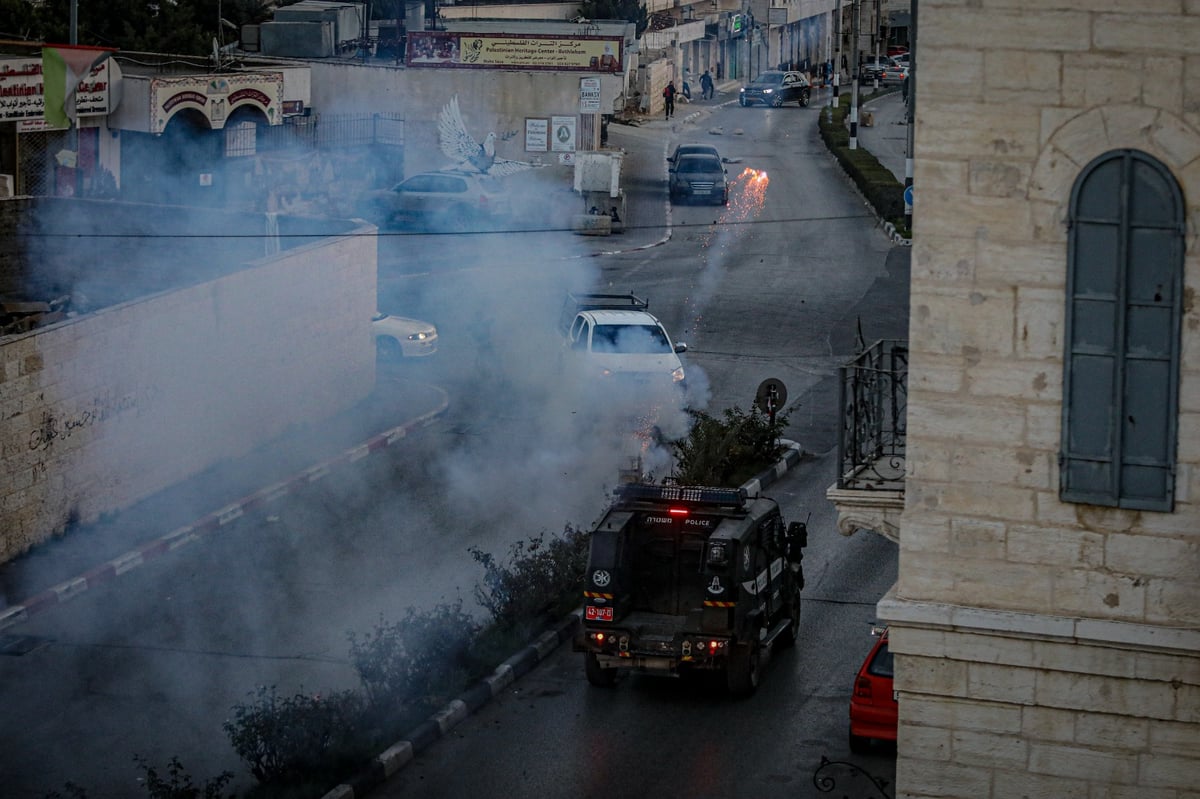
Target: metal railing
x,y
333,131
872,436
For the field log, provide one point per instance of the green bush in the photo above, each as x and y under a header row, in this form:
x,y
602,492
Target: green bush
x,y
727,451
877,183
178,783
541,580
415,663
298,739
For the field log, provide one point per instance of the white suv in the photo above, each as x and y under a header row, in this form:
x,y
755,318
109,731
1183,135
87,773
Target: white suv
x,y
627,345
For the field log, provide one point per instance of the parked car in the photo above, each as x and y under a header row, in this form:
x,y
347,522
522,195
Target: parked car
x,y
774,88
398,337
873,67
441,201
893,75
874,711
699,177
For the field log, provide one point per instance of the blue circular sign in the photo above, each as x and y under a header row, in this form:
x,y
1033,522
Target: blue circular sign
x,y
908,195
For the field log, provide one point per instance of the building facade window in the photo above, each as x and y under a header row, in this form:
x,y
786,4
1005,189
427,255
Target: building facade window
x,y
1124,304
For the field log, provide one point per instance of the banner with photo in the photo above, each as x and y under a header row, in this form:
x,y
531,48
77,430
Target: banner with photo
x,y
459,50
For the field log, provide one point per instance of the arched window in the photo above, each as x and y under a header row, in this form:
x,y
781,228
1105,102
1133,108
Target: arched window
x,y
1121,366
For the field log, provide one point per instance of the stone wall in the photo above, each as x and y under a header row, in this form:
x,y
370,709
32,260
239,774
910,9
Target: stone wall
x,y
107,407
1093,688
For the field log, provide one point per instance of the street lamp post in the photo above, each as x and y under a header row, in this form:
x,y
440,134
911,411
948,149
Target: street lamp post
x,y
854,77
837,57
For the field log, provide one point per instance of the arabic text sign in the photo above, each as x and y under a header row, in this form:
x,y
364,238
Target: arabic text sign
x,y
22,90
216,96
459,50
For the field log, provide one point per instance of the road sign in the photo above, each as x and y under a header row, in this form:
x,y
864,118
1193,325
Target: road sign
x,y
908,196
771,396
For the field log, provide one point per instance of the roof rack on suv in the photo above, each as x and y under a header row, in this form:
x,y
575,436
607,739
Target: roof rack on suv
x,y
608,302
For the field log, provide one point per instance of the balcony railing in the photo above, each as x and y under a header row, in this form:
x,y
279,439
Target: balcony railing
x,y
872,437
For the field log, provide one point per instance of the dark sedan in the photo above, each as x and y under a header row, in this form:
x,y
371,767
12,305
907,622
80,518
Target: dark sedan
x,y
699,177
774,88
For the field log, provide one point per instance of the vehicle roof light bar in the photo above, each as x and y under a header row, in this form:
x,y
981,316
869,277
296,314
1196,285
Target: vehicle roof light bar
x,y
696,495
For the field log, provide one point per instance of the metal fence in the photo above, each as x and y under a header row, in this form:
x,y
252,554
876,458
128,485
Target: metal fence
x,y
328,132
872,436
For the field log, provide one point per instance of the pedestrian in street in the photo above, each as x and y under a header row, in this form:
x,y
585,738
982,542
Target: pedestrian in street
x,y
706,86
719,69
669,99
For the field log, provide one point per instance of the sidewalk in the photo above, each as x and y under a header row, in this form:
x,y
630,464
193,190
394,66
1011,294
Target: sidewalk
x,y
90,555
887,137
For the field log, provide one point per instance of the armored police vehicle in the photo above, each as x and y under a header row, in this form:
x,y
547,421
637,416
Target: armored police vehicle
x,y
689,578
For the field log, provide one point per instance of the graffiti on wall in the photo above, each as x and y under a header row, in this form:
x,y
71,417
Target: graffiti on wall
x,y
54,428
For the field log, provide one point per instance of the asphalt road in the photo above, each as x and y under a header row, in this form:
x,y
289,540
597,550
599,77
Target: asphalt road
x,y
772,286
778,284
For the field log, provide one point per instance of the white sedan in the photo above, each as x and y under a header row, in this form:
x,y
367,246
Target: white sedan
x,y
398,337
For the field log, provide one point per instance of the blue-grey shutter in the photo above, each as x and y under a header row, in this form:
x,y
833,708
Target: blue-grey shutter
x,y
1121,367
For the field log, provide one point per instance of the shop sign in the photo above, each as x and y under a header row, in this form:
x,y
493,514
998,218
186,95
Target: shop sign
x,y
216,97
461,50
22,92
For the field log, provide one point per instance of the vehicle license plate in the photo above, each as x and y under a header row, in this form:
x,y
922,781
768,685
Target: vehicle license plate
x,y
701,191
593,613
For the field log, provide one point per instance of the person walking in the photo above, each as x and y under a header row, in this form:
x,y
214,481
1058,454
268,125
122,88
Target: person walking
x,y
669,99
706,86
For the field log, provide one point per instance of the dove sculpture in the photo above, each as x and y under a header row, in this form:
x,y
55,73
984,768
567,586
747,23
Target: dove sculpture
x,y
461,147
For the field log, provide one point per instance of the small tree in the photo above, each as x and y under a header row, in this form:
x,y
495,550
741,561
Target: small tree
x,y
417,661
541,578
297,739
729,450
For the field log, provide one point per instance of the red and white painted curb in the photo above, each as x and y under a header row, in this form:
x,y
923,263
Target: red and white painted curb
x,y
105,572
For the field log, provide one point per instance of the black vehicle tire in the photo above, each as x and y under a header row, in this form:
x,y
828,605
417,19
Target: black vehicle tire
x,y
596,674
744,669
777,101
859,745
388,349
804,98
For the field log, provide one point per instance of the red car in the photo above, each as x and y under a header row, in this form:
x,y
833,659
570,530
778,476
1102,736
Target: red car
x,y
873,708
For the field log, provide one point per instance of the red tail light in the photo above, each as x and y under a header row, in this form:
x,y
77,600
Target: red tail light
x,y
862,687
678,511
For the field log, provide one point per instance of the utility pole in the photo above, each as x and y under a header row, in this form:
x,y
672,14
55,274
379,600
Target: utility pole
x,y
837,55
910,113
74,135
876,37
854,25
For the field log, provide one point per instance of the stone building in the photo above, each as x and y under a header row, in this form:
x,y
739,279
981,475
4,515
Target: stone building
x,y
1046,619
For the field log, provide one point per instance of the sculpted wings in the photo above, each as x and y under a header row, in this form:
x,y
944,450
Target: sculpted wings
x,y
504,166
461,147
456,143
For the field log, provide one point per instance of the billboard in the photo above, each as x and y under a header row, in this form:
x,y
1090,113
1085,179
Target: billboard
x,y
459,50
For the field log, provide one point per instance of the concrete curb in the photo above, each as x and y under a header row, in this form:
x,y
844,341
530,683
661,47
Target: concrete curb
x,y
180,537
386,764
